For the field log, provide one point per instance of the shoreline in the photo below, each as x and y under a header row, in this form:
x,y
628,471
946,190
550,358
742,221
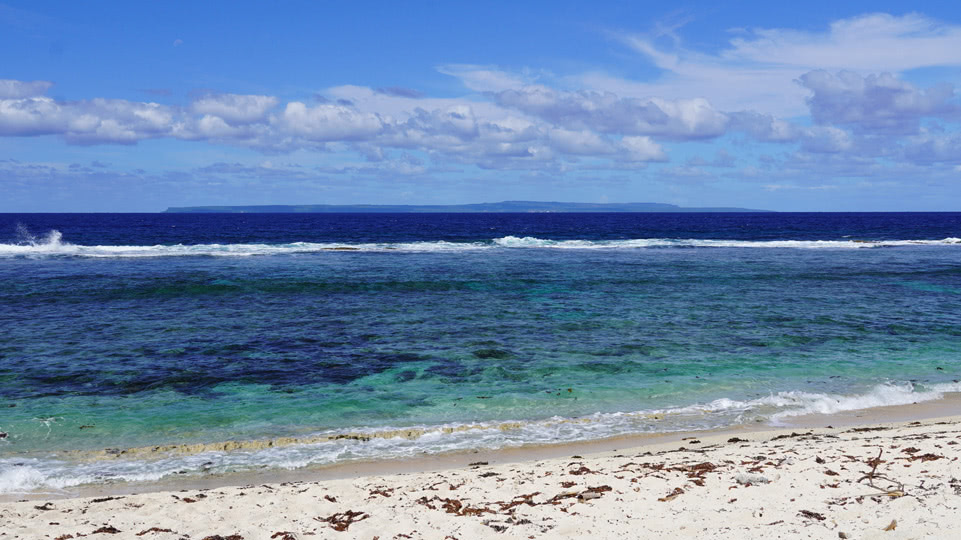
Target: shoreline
x,y
890,480
941,409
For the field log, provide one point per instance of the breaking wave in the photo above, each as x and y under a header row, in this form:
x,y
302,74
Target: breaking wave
x,y
147,464
53,245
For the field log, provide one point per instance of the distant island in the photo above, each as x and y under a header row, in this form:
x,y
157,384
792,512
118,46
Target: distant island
x,y
499,207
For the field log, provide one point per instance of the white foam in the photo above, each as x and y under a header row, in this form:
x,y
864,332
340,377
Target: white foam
x,y
19,478
23,475
531,242
53,245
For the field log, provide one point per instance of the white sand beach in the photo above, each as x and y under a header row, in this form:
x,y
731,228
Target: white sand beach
x,y
890,481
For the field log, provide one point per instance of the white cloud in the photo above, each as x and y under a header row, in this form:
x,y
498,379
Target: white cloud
x,y
931,148
877,103
582,142
642,149
235,108
757,70
608,113
326,122
31,116
11,89
484,78
825,140
870,42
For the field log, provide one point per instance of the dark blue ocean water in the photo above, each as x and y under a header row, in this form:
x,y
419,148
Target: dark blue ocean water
x,y
411,333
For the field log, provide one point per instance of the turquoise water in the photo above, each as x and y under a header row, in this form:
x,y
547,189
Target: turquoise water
x,y
470,344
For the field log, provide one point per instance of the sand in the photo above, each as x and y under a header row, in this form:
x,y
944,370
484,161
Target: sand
x,y
888,481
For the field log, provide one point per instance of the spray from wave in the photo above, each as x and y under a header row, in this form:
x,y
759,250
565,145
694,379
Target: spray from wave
x,y
50,242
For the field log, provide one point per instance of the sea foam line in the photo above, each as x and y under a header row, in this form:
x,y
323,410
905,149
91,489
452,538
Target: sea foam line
x,y
53,245
146,464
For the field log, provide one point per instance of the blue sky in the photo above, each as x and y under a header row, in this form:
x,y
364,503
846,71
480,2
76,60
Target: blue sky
x,y
822,106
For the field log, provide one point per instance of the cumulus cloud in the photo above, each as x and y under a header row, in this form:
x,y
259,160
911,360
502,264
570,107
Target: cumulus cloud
x,y
581,142
84,122
878,103
825,140
235,108
934,148
763,127
328,122
512,122
607,113
642,149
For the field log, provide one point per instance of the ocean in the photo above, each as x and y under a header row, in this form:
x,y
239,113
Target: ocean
x,y
139,347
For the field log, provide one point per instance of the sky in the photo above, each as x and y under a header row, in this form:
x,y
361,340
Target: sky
x,y
813,106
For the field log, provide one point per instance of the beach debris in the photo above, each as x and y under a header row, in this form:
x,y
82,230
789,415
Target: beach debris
x,y
341,521
843,535
812,515
736,440
792,435
699,470
556,499
105,499
891,526
872,475
497,527
519,500
582,470
592,493
64,537
154,530
107,529
747,479
925,457
454,506
87,426
218,537
330,499
672,495
3,435
45,506
477,464
283,535
383,492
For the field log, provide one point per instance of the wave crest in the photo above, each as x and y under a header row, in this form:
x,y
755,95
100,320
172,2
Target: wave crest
x,y
53,245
